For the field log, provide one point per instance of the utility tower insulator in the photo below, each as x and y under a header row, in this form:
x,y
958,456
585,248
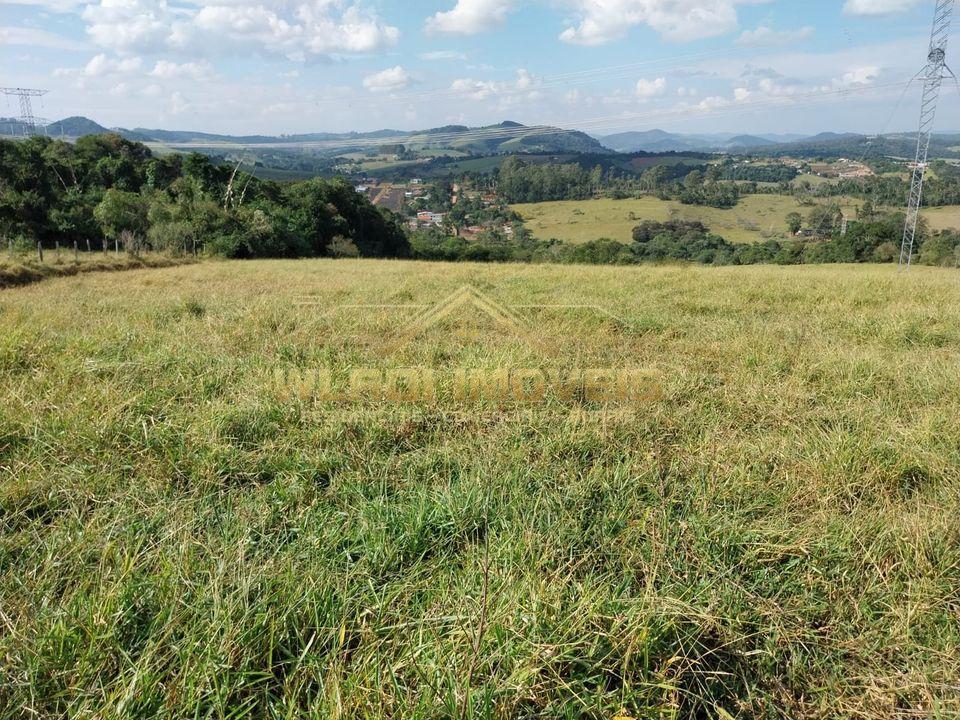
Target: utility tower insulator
x,y
933,76
27,119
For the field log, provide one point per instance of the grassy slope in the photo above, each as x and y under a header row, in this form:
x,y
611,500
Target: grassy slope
x,y
942,218
776,536
23,269
753,216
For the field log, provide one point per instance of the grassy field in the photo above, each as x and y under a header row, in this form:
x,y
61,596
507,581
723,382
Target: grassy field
x,y
584,220
942,218
772,533
23,268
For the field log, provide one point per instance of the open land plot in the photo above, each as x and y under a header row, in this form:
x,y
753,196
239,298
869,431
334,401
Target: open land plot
x,y
942,218
771,533
752,220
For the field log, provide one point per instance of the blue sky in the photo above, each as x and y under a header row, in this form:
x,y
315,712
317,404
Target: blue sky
x,y
255,66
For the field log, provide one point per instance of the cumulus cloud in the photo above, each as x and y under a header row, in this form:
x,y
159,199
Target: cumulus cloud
x,y
295,29
878,7
764,36
166,70
389,80
676,20
103,65
858,76
469,17
525,85
647,89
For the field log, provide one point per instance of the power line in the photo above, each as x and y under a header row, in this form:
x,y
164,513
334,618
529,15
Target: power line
x,y
28,121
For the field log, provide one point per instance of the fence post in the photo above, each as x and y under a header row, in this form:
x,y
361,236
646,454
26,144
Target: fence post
x,y
116,246
88,244
10,247
40,250
56,246
76,252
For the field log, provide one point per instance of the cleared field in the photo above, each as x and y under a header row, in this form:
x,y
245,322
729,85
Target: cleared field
x,y
753,219
942,218
773,533
812,179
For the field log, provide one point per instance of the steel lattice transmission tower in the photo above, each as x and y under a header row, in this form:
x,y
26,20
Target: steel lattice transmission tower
x,y
933,76
27,118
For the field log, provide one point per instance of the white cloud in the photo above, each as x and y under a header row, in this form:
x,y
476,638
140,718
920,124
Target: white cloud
x,y
858,76
767,36
602,21
37,39
103,65
443,55
389,80
295,29
469,17
166,70
878,7
525,86
647,89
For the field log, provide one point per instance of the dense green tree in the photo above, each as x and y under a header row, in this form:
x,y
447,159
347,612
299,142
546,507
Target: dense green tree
x,y
104,185
122,211
794,222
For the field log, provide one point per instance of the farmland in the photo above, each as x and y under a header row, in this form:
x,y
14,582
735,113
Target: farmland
x,y
755,217
772,533
942,218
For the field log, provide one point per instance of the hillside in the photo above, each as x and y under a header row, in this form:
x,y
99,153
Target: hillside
x,y
760,523
506,137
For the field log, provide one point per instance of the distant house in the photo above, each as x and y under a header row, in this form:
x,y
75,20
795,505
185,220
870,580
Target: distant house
x,y
430,218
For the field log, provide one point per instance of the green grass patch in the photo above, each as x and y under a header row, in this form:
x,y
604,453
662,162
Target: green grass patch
x,y
774,534
753,219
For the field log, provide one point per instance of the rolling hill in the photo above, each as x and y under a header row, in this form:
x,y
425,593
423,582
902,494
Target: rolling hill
x,y
663,141
505,137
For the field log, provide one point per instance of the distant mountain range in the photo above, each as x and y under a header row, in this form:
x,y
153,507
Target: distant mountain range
x,y
663,141
510,137
506,137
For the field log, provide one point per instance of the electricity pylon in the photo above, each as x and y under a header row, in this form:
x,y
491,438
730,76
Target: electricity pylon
x,y
27,118
933,76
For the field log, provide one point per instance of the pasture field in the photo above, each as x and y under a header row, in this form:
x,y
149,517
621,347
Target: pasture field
x,y
942,218
23,268
771,533
753,219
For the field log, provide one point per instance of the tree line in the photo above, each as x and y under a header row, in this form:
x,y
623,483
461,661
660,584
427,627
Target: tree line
x,y
103,187
873,238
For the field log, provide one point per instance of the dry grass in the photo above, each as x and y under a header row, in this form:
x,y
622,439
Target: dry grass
x,y
23,269
774,536
943,218
753,219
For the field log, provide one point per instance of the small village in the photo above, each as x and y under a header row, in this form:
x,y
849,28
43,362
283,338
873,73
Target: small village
x,y
465,212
